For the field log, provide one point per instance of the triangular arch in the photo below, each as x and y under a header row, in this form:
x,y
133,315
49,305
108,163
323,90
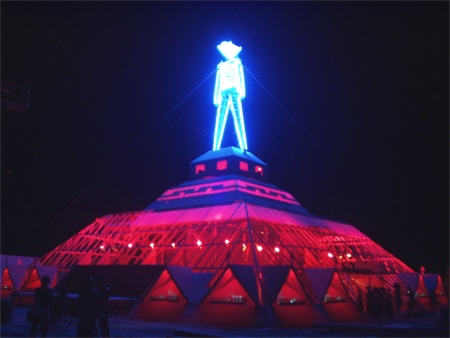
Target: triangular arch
x,y
292,304
19,275
338,303
228,302
163,300
319,280
32,281
193,285
7,284
49,271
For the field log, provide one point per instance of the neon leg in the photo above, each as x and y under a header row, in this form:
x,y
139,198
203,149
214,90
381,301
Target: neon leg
x,y
236,126
239,125
221,118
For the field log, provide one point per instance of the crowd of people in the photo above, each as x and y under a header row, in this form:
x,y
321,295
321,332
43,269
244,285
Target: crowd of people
x,y
379,302
91,305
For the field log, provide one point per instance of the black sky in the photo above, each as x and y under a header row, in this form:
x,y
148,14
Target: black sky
x,y
348,103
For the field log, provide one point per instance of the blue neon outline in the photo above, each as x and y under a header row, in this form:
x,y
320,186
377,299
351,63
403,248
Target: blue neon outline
x,y
229,85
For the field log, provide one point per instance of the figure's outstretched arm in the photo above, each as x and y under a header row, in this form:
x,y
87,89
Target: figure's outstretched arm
x,y
217,96
242,81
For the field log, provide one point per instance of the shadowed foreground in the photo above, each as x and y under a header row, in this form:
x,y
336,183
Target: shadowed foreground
x,y
130,327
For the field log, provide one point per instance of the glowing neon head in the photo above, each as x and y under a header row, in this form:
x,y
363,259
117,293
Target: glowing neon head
x,y
229,50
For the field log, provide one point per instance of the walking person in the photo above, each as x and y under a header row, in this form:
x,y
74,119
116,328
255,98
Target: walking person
x,y
41,307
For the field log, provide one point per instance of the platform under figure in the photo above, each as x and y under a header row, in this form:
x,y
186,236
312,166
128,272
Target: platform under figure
x,y
228,93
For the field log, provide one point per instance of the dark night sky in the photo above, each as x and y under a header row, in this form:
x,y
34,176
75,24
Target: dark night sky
x,y
347,102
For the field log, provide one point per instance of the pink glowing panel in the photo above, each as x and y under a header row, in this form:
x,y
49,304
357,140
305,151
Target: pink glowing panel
x,y
200,168
222,165
243,166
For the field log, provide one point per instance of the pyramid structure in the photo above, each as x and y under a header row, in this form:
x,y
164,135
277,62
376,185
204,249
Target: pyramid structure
x,y
227,213
252,248
228,247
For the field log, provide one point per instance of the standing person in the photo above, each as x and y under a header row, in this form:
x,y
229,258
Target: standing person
x,y
41,307
360,304
103,307
389,307
411,302
379,298
433,301
397,298
369,302
88,303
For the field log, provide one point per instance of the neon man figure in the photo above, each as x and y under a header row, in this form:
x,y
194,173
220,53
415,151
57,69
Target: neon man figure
x,y
228,93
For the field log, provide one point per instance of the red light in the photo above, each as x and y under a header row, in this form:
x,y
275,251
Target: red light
x,y
259,247
243,166
152,245
277,249
227,242
173,245
199,242
200,168
330,255
130,245
222,165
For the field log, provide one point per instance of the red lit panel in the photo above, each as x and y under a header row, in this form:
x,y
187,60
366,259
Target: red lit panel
x,y
199,168
243,166
222,165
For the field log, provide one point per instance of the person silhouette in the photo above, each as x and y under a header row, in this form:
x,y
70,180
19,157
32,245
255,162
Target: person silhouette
x,y
411,301
88,305
103,290
360,304
41,307
397,298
